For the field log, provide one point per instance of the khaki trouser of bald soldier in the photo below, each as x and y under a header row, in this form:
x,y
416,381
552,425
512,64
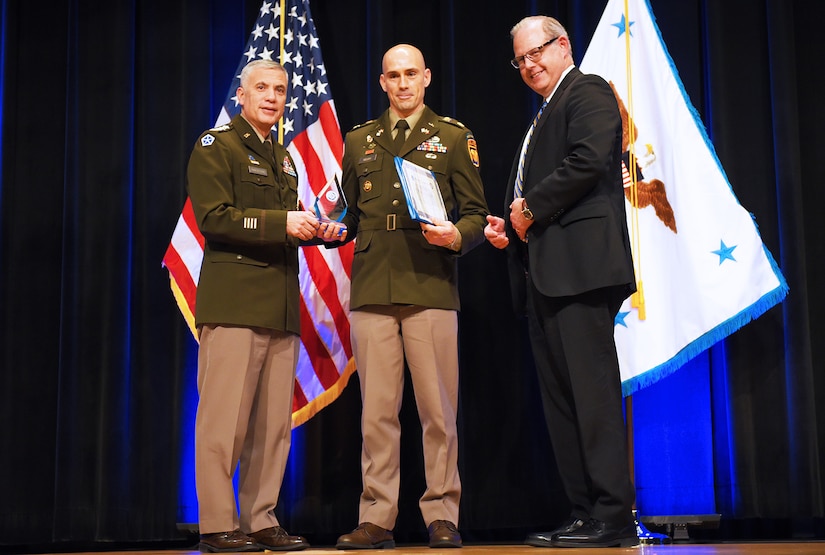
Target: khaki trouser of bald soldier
x,y
382,336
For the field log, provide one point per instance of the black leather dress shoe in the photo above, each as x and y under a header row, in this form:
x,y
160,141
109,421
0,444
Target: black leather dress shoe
x,y
367,536
227,542
545,539
443,533
277,539
595,533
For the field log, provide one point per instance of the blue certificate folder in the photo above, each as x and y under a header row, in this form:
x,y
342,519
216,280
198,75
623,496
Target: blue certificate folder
x,y
421,189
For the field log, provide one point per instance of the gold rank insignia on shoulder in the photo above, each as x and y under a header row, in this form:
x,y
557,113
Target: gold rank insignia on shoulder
x,y
453,122
360,125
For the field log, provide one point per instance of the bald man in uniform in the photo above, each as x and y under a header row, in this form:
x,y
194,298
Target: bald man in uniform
x,y
405,299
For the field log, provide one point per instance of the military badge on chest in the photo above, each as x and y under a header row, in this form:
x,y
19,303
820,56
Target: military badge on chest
x,y
433,144
288,169
432,147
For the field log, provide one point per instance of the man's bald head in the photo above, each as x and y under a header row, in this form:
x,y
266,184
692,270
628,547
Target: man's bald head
x,y
404,78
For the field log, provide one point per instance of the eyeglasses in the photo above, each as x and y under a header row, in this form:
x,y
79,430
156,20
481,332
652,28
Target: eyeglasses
x,y
534,55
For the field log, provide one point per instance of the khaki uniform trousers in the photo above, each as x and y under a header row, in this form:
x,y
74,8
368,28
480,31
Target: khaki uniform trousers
x,y
381,337
246,378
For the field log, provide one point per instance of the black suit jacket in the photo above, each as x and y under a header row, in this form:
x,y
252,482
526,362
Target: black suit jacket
x,y
573,185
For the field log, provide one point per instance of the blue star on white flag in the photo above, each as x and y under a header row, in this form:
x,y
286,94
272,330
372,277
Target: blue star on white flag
x,y
684,218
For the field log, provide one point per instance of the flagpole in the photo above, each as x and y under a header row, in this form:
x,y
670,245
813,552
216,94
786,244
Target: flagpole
x,y
281,61
646,537
637,300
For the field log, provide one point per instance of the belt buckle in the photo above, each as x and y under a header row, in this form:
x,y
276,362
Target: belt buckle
x,y
391,222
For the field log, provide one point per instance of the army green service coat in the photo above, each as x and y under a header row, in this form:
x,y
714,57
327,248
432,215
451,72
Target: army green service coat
x,y
398,266
240,195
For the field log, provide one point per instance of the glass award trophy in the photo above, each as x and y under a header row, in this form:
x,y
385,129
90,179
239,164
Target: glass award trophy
x,y
331,204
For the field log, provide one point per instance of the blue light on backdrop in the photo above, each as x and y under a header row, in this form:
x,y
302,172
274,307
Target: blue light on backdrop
x,y
673,419
673,433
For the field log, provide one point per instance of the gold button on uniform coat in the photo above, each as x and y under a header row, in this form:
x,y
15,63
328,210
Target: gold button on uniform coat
x,y
399,266
240,195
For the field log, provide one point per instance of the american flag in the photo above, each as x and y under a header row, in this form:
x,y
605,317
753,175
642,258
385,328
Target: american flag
x,y
285,32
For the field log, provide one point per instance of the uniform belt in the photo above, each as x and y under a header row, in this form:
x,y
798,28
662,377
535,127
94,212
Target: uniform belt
x,y
390,222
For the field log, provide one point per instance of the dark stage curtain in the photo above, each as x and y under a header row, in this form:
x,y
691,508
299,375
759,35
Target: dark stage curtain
x,y
97,366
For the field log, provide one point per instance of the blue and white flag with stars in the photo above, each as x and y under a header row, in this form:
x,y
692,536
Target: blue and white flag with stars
x,y
701,268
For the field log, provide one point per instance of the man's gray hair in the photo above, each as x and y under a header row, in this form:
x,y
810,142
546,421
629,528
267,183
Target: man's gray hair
x,y
265,64
549,25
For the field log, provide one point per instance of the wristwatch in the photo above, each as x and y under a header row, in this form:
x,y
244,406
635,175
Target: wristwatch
x,y
526,212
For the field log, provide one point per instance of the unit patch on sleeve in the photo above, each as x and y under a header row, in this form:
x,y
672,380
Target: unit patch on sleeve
x,y
472,148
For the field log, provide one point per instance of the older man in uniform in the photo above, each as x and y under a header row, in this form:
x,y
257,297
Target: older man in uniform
x,y
405,297
244,191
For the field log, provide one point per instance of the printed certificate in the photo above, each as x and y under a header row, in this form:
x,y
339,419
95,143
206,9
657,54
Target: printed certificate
x,y
424,199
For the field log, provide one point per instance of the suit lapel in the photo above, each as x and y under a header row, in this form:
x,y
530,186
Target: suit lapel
x,y
556,99
559,94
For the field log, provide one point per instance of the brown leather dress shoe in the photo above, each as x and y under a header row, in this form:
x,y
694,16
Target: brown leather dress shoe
x,y
227,542
367,536
443,533
277,539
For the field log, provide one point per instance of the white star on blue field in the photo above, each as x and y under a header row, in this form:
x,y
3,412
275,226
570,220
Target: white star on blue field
x,y
725,252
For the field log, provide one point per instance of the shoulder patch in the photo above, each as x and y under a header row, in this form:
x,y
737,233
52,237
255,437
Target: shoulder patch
x,y
472,150
360,125
453,122
207,139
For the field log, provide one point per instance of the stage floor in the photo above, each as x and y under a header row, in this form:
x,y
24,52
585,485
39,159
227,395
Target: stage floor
x,y
755,548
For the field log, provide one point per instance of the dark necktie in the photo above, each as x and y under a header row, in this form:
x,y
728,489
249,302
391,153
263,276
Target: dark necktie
x,y
401,135
519,184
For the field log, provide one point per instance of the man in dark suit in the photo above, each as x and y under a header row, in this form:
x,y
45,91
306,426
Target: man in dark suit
x,y
405,297
571,266
244,191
